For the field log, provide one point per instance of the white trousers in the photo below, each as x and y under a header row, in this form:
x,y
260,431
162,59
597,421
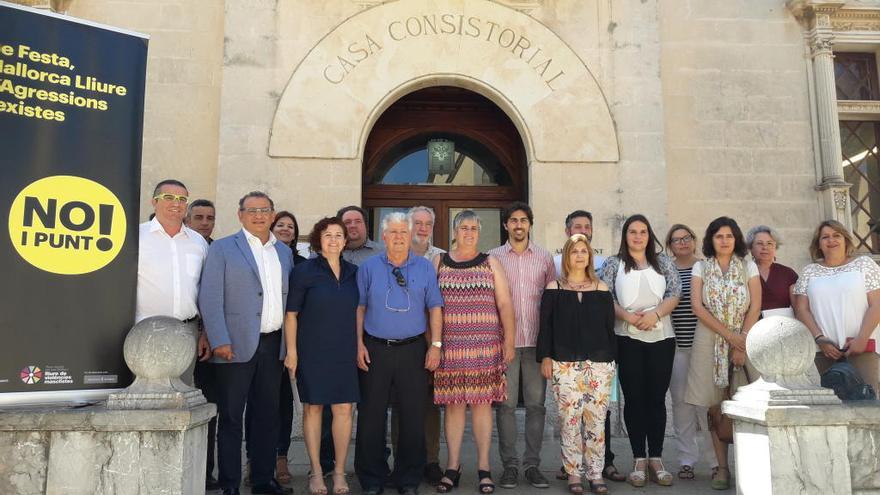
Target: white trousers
x,y
686,418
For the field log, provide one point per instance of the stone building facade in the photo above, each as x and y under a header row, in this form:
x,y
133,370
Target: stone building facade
x,y
684,110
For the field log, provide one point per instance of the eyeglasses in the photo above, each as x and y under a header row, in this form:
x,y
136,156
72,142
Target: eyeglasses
x,y
681,240
401,280
171,197
257,211
392,308
578,238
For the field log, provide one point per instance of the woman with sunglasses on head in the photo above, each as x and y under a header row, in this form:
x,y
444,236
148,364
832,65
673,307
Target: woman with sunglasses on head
x,y
681,242
321,336
645,286
577,348
478,342
726,297
837,297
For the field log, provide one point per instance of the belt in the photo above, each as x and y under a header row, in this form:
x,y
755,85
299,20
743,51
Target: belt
x,y
394,342
190,320
269,334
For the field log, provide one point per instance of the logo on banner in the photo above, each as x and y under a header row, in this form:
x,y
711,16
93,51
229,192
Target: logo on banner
x,y
31,374
67,225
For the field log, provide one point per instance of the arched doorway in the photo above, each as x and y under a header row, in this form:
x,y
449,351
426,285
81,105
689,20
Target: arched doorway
x,y
486,171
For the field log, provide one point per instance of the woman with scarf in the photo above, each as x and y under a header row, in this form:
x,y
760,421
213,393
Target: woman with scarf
x,y
726,298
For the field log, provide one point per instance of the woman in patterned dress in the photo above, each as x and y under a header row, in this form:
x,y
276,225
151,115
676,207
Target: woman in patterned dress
x,y
478,338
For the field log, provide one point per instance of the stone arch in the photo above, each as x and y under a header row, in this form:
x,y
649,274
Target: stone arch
x,y
373,58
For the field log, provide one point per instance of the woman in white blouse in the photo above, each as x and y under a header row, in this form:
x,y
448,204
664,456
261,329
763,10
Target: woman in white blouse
x,y
726,297
645,287
838,299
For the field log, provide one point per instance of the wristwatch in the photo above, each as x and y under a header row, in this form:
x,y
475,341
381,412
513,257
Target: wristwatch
x,y
437,344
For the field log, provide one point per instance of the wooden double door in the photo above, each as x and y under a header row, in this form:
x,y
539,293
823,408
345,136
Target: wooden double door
x,y
489,161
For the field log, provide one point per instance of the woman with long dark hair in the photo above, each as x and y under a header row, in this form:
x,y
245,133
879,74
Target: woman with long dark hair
x,y
645,286
726,297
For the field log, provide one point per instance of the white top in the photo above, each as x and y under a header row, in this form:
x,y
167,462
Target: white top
x,y
641,290
751,269
838,296
169,270
598,261
269,266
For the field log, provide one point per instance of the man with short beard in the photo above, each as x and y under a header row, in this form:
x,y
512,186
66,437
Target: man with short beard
x,y
529,269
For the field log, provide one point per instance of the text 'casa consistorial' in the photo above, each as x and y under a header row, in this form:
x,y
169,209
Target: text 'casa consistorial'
x,y
516,43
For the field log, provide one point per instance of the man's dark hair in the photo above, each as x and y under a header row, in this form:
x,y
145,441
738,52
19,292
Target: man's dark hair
x,y
577,214
346,209
516,206
199,203
168,182
255,194
739,247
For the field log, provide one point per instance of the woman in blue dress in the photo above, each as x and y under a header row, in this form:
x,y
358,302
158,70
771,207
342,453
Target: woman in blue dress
x,y
320,332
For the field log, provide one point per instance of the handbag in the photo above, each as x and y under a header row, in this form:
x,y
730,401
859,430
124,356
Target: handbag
x,y
719,422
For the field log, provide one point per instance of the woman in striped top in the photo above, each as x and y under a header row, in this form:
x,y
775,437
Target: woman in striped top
x,y
681,242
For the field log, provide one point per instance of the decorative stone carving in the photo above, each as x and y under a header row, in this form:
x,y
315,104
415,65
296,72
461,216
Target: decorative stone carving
x,y
821,45
853,109
158,350
840,198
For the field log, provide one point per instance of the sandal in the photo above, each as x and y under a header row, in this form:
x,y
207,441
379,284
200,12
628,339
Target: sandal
x,y
316,484
686,472
575,487
637,477
340,484
719,481
658,473
485,487
562,475
453,475
598,486
611,473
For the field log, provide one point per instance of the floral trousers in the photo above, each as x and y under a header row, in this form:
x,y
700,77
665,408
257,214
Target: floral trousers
x,y
582,390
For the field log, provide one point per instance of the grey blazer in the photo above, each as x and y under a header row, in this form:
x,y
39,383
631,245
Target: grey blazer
x,y
231,296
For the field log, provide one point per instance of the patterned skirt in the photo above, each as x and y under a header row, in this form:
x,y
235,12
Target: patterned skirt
x,y
472,368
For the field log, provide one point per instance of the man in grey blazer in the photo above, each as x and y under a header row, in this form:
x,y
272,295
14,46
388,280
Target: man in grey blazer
x,y
242,298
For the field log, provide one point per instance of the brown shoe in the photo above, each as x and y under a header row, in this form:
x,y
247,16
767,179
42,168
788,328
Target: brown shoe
x,y
282,474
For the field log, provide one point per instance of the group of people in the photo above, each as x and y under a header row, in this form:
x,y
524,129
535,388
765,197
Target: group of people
x,y
403,325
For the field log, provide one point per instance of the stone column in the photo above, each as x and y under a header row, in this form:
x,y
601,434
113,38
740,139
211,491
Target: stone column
x,y
791,436
832,188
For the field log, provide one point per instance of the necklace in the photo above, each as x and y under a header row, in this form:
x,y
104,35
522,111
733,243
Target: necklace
x,y
580,285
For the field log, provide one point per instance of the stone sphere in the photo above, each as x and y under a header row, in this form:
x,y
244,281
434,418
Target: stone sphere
x,y
159,347
780,346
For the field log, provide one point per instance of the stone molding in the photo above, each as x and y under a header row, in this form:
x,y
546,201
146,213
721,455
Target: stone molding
x,y
858,109
522,5
333,98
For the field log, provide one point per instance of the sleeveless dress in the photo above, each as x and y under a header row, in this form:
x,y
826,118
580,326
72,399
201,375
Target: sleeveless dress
x,y
472,368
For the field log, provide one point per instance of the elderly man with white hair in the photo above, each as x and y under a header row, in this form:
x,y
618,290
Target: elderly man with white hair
x,y
399,302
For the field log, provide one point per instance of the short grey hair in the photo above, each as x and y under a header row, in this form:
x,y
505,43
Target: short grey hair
x,y
415,209
199,203
464,216
396,217
762,229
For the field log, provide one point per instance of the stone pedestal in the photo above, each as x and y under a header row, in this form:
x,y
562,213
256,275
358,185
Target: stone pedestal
x,y
791,436
149,439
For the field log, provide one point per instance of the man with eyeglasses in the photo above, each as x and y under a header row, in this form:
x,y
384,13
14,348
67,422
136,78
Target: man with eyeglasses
x,y
529,269
170,258
399,301
242,297
581,222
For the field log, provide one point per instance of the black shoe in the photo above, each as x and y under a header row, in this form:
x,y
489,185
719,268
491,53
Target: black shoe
x,y
211,483
271,488
536,478
231,491
371,491
433,473
409,490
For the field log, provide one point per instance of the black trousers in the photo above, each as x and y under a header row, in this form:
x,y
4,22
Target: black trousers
x,y
258,379
401,367
205,378
609,456
645,370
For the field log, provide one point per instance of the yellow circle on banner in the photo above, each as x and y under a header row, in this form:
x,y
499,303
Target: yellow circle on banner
x,y
67,225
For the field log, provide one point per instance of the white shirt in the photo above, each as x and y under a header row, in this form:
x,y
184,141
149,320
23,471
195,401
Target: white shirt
x,y
169,269
270,278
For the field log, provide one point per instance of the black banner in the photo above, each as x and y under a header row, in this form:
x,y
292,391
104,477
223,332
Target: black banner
x,y
71,123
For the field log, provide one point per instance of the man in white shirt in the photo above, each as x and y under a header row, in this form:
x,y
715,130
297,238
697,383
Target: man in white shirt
x,y
242,299
170,262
